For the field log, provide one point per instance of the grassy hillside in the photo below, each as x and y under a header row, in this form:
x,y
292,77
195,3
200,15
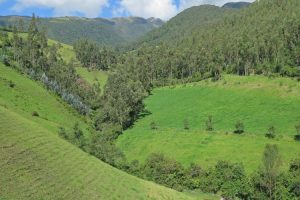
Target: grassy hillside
x,y
109,32
35,164
28,96
257,101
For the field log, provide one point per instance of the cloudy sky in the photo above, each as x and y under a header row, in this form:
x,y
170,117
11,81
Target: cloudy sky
x,y
164,9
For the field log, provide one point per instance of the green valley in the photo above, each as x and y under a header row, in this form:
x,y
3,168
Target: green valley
x,y
259,102
123,105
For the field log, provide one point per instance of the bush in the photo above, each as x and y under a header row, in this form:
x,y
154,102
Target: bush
x,y
209,124
239,127
186,124
297,136
62,133
35,114
164,171
271,132
12,84
153,126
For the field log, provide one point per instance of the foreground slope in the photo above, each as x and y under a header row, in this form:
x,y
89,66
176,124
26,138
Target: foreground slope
x,y
36,164
257,101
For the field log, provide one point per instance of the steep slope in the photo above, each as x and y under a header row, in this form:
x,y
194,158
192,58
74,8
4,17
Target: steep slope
x,y
184,24
109,32
37,164
24,96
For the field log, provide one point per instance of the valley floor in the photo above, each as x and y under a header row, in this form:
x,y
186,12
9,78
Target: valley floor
x,y
258,102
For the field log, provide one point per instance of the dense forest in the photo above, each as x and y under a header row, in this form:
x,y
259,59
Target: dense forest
x,y
261,39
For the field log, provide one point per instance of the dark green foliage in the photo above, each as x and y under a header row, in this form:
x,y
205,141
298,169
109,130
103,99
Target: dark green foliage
x,y
227,178
92,57
271,132
194,175
209,124
35,114
123,99
164,171
297,136
78,137
102,146
12,84
63,133
239,127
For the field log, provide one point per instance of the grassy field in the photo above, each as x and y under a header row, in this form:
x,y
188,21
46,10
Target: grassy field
x,y
259,102
37,164
94,76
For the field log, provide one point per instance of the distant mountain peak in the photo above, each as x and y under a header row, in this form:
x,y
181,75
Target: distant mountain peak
x,y
236,5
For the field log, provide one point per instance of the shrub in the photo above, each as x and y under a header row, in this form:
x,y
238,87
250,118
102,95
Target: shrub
x,y
153,126
209,124
12,84
271,132
62,133
35,114
239,127
297,136
186,124
164,171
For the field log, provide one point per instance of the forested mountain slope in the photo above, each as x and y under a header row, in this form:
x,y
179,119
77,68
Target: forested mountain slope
x,y
263,38
108,32
184,24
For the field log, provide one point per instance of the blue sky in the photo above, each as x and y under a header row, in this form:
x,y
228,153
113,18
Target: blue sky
x,y
164,9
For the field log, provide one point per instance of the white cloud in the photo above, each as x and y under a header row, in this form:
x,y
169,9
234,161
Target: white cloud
x,y
184,4
163,9
89,8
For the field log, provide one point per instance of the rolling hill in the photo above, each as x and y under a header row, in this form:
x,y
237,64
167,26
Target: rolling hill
x,y
37,164
108,32
257,101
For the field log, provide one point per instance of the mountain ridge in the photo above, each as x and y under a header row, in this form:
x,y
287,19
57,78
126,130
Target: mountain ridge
x,y
103,31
